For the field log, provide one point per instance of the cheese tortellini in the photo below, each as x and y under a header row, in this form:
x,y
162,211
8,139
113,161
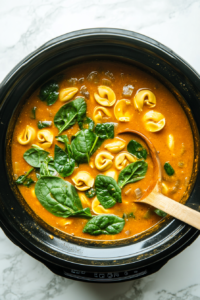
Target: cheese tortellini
x,y
170,142
164,189
123,159
115,146
112,173
106,96
100,113
122,110
144,97
83,181
84,199
26,136
45,137
67,93
97,208
103,161
153,121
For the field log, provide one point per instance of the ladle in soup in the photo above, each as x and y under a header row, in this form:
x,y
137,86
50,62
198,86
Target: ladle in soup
x,y
153,195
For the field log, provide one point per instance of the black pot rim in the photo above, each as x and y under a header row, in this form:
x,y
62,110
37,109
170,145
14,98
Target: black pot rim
x,y
181,232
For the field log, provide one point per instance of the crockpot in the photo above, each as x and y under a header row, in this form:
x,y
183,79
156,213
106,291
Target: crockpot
x,y
65,255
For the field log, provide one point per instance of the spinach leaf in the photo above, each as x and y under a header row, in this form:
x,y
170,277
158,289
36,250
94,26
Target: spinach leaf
x,y
70,113
88,123
96,145
90,193
49,92
63,164
28,182
108,192
128,216
104,224
64,139
23,179
105,130
136,149
60,197
160,213
132,173
82,144
44,124
33,112
35,156
168,169
47,167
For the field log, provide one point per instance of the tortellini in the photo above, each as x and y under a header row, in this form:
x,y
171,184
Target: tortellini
x,y
84,199
112,173
103,161
122,110
153,121
123,159
144,97
170,142
98,208
26,136
164,189
106,96
115,146
83,181
100,113
67,93
45,137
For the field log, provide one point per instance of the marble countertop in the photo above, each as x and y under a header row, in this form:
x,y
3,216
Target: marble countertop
x,y
24,26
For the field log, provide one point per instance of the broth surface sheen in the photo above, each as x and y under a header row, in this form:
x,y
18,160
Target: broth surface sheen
x,y
174,143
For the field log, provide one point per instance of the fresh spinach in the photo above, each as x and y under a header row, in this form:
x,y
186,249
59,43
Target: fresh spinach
x,y
28,182
33,113
70,113
60,197
44,124
64,139
37,175
160,213
136,149
105,130
108,192
63,164
90,193
104,224
132,173
128,216
23,179
88,123
49,92
168,169
35,156
47,167
82,144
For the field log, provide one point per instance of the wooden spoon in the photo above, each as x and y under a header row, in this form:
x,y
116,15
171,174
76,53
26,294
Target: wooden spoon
x,y
154,197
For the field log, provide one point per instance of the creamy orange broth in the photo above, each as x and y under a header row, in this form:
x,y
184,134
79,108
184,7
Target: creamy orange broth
x,y
176,124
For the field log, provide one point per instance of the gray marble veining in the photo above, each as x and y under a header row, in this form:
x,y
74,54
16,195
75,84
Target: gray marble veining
x,y
24,26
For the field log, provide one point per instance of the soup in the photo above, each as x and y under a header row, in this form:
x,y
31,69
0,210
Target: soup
x,y
76,168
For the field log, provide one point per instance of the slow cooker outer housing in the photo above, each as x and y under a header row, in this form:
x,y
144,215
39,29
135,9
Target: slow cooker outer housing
x,y
66,255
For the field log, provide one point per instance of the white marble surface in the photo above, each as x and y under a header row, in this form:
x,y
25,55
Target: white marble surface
x,y
24,26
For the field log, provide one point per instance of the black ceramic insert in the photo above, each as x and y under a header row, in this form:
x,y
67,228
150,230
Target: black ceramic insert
x,y
66,255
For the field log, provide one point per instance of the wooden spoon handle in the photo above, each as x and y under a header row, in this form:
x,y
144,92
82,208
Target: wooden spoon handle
x,y
173,208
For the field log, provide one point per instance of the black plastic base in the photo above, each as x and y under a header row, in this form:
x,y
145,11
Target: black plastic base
x,y
103,277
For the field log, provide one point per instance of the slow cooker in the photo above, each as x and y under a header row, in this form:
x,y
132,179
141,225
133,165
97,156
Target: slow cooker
x,y
65,255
